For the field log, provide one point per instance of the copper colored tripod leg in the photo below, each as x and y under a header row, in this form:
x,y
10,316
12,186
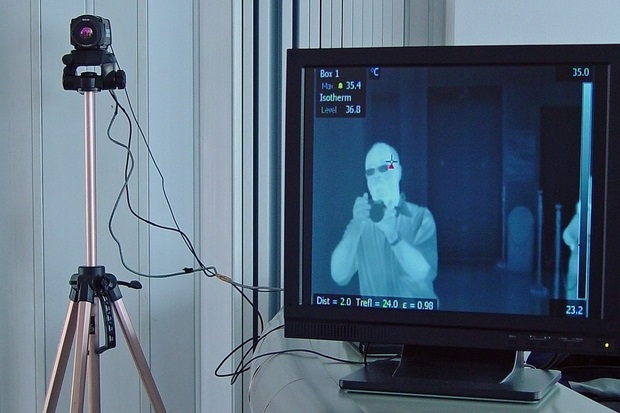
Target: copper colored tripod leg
x,y
93,387
138,356
80,357
62,358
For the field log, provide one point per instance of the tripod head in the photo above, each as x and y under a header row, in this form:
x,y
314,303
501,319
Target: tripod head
x,y
91,36
110,78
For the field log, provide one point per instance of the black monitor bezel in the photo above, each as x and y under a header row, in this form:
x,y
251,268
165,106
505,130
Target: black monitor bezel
x,y
503,331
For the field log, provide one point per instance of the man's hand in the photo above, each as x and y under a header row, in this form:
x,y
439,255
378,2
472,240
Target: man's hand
x,y
361,208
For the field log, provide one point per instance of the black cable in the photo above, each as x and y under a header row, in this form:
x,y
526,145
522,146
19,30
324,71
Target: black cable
x,y
241,366
209,271
244,366
129,167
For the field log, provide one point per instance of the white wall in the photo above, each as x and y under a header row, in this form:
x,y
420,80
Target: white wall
x,y
534,21
19,231
219,211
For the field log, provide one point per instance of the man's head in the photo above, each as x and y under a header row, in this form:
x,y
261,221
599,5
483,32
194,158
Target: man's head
x,y
383,173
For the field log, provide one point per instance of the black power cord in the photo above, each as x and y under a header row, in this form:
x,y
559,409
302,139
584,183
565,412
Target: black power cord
x,y
209,271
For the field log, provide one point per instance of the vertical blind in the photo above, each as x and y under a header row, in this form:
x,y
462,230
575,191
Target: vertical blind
x,y
366,23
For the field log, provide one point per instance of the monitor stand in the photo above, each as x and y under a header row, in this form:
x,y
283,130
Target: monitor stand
x,y
455,372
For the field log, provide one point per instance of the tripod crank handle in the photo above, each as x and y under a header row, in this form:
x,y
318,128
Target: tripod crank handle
x,y
108,323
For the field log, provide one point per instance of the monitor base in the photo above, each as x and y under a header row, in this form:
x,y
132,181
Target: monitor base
x,y
455,373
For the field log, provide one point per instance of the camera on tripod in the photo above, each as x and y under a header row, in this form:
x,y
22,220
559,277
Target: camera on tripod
x,y
91,36
90,32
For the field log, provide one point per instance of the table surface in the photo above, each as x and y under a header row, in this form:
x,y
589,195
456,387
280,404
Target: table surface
x,y
300,381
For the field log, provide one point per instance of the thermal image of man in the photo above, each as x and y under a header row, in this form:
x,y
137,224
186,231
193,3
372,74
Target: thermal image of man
x,y
390,243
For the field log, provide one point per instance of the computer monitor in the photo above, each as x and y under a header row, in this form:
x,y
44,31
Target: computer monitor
x,y
459,201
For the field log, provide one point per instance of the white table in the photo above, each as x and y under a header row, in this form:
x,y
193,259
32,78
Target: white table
x,y
306,383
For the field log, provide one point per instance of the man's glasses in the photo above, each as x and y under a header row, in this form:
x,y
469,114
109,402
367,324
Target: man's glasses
x,y
382,169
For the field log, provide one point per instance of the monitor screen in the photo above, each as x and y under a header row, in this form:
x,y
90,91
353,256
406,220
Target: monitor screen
x,y
454,197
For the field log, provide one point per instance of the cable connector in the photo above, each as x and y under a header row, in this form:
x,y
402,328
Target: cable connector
x,y
224,278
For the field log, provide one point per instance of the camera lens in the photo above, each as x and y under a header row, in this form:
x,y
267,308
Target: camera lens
x,y
86,33
377,210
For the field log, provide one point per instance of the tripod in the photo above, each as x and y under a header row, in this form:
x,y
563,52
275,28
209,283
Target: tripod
x,y
91,281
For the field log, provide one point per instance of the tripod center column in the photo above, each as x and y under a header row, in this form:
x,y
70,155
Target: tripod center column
x,y
90,178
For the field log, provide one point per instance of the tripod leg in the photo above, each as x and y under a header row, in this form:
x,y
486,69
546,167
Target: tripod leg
x,y
62,357
93,374
138,356
80,357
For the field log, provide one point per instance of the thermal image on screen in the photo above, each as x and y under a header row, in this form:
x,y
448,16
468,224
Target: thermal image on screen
x,y
462,188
